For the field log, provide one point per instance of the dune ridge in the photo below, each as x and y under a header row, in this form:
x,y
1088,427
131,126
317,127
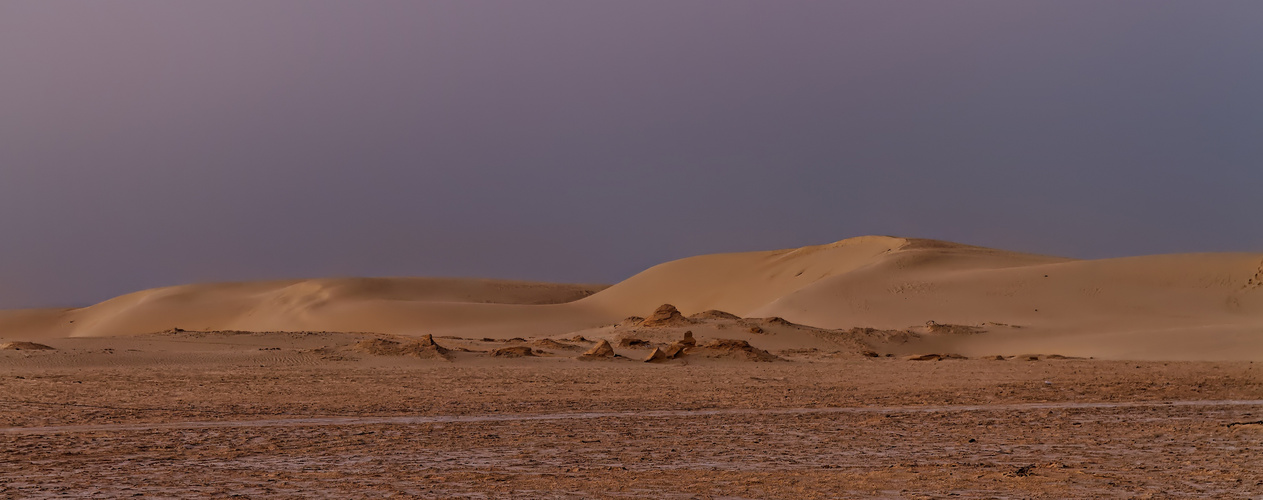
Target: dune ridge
x,y
1183,306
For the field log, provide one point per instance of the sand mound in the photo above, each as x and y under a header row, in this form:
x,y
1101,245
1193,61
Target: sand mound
x,y
934,357
777,321
665,315
379,347
382,305
24,346
938,328
715,314
553,344
631,321
736,349
879,335
425,347
517,351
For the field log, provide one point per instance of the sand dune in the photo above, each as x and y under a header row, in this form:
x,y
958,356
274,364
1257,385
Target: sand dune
x,y
1189,306
30,324
1198,306
750,284
388,305
1154,290
740,282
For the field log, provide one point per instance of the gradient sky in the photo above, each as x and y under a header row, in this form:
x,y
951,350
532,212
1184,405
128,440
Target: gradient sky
x,y
155,143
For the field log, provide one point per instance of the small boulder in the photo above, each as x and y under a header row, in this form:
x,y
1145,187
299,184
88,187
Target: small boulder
x,y
601,350
688,341
674,350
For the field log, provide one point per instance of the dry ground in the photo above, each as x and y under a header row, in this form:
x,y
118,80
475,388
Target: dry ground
x,y
248,419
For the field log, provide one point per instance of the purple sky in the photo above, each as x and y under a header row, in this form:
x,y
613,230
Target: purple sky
x,y
156,143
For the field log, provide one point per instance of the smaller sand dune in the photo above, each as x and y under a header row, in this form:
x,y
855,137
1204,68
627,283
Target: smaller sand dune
x,y
517,351
425,348
665,315
734,349
24,346
934,357
714,314
553,344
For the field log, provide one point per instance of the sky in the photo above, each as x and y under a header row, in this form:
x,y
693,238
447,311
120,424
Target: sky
x,y
154,143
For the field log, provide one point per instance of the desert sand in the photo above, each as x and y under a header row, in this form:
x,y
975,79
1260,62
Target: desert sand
x,y
1163,307
870,367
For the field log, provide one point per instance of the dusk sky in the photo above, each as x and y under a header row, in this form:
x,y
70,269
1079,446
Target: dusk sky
x,y
152,143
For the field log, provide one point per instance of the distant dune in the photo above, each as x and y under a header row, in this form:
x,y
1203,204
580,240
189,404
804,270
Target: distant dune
x,y
1187,306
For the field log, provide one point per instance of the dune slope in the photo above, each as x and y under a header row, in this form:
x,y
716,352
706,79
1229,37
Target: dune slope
x,y
391,305
747,284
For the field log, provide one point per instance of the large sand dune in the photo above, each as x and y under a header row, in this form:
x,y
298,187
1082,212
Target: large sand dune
x,y
1189,306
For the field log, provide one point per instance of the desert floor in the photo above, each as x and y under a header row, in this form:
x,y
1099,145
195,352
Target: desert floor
x,y
300,415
